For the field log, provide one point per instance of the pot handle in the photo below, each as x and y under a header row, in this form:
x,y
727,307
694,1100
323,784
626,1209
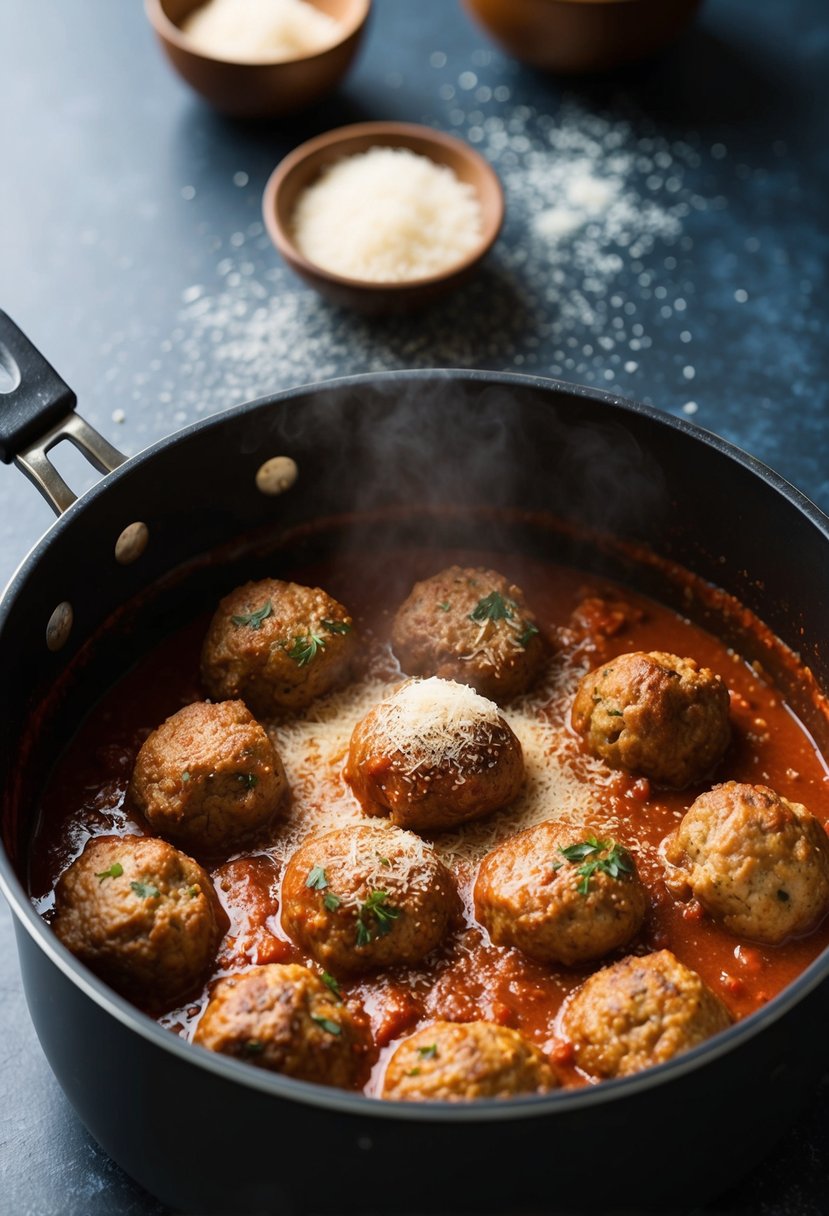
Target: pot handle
x,y
37,411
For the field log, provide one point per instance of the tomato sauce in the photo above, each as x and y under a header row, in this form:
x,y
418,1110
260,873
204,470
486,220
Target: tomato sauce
x,y
588,620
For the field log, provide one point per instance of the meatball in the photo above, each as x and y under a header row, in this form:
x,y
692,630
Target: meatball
x,y
208,777
560,896
364,897
471,625
640,1012
655,714
432,755
142,916
277,646
464,1061
756,862
285,1018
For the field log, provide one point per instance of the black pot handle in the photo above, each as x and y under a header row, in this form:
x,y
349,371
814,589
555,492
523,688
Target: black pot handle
x,y
36,413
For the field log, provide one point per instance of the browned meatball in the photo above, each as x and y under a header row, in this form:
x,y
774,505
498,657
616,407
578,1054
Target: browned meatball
x,y
208,777
277,646
560,896
756,862
640,1012
471,625
465,1061
432,755
655,714
364,897
285,1018
142,915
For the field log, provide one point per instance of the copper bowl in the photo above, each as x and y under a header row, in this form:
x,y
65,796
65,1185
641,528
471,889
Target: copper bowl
x,y
261,89
305,164
572,36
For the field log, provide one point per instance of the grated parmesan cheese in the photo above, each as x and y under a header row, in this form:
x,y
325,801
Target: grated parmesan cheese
x,y
387,216
434,722
251,31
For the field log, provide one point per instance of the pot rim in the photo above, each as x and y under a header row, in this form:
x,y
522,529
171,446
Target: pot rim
x,y
342,1101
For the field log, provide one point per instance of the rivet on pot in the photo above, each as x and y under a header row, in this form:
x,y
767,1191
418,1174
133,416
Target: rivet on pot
x,y
277,475
131,543
59,626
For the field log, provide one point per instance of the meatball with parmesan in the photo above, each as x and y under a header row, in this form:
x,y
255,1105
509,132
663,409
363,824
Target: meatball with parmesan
x,y
559,895
471,625
285,1018
756,862
367,896
464,1062
208,778
277,646
142,916
433,755
656,715
638,1013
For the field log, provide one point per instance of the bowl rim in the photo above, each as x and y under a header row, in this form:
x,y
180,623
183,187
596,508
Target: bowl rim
x,y
289,164
357,1104
168,31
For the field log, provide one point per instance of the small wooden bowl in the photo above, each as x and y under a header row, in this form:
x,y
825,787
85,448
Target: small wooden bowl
x,y
572,36
264,89
304,165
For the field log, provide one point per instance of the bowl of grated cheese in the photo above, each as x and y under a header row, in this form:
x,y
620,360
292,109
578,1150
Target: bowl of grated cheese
x,y
259,58
383,216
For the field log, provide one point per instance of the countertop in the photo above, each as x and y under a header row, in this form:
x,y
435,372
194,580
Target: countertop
x,y
666,239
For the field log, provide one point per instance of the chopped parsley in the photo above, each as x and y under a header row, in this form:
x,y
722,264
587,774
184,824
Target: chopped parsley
x,y
331,983
493,607
614,713
145,890
253,1047
114,871
304,649
597,856
248,780
193,891
326,1024
336,626
383,914
384,861
331,902
526,636
254,619
185,776
445,606
413,1072
428,1053
317,879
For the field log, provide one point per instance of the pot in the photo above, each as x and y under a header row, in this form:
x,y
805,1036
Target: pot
x,y
463,454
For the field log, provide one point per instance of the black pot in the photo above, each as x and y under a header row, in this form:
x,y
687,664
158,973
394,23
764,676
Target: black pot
x,y
465,455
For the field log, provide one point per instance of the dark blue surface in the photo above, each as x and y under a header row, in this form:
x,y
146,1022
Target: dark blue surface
x,y
133,255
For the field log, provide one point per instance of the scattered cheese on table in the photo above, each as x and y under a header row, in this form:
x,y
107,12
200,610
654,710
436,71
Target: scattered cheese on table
x,y
253,31
387,216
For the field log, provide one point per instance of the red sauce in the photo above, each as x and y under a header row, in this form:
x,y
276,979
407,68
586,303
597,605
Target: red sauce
x,y
588,620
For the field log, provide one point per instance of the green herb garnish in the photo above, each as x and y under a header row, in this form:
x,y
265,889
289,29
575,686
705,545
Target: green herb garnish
x,y
428,1053
614,713
615,862
305,649
331,983
527,635
331,902
445,606
248,780
193,891
254,619
336,626
383,913
413,1072
493,607
145,890
253,1047
114,871
185,776
384,861
327,1024
316,879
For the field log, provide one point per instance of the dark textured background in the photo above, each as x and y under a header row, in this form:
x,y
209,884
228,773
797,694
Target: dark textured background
x,y
133,255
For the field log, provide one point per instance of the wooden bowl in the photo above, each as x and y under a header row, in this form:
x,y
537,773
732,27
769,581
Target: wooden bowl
x,y
572,36
304,165
264,89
